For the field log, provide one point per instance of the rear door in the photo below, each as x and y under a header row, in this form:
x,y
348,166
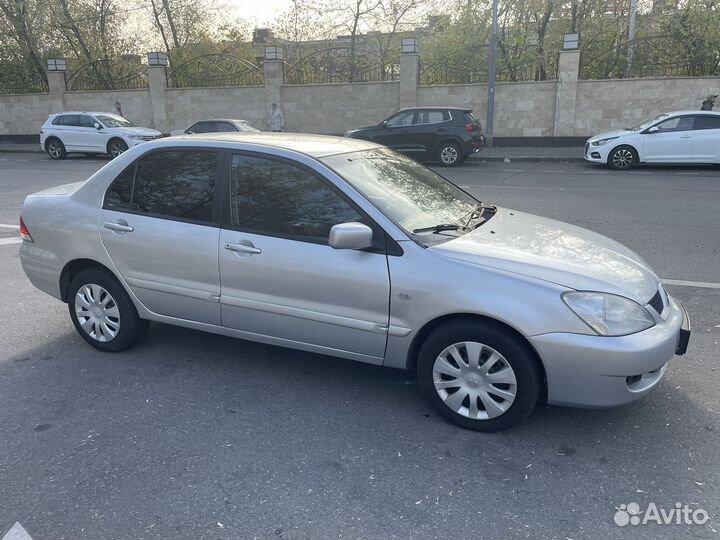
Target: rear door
x,y
672,143
160,226
706,144
430,126
280,278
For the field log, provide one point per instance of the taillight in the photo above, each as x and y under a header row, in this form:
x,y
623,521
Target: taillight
x,y
470,128
24,233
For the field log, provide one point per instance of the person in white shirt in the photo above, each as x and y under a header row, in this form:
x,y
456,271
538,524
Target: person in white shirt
x,y
118,109
276,122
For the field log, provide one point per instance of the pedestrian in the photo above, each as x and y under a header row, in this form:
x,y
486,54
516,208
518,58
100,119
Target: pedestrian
x,y
709,103
276,122
118,109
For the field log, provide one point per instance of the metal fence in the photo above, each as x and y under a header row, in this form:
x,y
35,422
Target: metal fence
x,y
341,65
219,69
26,87
107,75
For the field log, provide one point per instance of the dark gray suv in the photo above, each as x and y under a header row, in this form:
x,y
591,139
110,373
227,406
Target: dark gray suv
x,y
445,134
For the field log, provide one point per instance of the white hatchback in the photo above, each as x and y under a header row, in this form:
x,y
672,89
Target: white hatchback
x,y
675,137
91,133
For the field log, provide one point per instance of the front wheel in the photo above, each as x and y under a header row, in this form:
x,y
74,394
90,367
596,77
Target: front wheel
x,y
622,158
479,375
116,147
449,154
56,149
102,311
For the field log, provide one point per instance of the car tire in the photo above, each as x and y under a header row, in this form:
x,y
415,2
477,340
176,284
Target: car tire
x,y
622,158
102,311
449,154
116,147
475,395
55,148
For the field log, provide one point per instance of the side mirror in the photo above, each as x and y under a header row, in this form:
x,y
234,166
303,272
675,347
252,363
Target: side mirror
x,y
385,124
351,235
188,132
653,129
97,125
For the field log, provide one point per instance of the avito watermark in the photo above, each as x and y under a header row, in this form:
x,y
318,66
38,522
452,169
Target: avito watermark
x,y
680,514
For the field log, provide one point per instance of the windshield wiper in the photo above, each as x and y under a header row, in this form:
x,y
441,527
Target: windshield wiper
x,y
478,212
438,228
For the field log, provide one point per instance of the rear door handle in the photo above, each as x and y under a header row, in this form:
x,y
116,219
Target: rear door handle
x,y
120,227
243,248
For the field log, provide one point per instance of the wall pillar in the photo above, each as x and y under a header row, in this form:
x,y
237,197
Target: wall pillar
x,y
56,83
566,96
274,69
157,82
409,67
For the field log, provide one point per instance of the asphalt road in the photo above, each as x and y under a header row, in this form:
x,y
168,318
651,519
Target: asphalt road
x,y
191,435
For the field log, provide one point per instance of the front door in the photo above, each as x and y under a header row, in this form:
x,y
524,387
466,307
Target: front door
x,y
672,143
397,132
280,278
161,229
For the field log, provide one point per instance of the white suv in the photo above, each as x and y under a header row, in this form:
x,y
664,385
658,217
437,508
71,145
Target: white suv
x,y
91,133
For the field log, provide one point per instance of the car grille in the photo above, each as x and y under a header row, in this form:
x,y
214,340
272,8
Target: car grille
x,y
151,137
587,147
656,302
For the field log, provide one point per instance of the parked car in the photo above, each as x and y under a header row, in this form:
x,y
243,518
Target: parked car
x,y
91,133
346,248
217,126
674,137
445,134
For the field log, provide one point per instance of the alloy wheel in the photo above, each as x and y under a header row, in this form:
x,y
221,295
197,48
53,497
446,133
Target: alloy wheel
x,y
55,150
474,380
623,158
117,148
97,312
449,155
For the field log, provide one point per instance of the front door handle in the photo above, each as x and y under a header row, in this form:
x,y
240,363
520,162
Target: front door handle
x,y
119,227
685,136
239,247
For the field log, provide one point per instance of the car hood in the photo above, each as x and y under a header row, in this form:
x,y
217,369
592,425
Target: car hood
x,y
146,132
556,252
607,135
360,130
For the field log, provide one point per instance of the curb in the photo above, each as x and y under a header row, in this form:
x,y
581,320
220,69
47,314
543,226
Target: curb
x,y
527,159
20,151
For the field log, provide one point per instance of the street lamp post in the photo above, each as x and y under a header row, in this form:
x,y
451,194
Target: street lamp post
x,y
492,69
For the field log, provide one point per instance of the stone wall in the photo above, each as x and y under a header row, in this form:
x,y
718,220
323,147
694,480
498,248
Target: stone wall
x,y
565,108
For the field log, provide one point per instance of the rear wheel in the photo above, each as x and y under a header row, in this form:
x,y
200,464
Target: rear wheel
x,y
622,158
479,375
116,147
449,154
55,149
102,311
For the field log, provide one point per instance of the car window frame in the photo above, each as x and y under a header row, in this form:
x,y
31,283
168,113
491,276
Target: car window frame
x,y
441,111
93,120
412,120
220,182
382,243
678,117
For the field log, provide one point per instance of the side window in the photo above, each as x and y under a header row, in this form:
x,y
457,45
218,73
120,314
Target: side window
x,y
707,122
86,121
277,198
402,119
679,123
224,127
67,120
176,184
431,117
119,195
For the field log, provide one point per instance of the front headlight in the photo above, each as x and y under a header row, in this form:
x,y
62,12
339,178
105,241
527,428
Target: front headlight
x,y
137,137
609,314
603,142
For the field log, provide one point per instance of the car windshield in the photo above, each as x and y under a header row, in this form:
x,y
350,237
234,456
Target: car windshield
x,y
412,196
113,120
649,122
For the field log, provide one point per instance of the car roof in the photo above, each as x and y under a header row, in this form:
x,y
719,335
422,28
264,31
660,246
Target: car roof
x,y
428,108
312,145
697,111
221,120
82,112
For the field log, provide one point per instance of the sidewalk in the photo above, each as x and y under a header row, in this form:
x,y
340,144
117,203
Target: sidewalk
x,y
513,153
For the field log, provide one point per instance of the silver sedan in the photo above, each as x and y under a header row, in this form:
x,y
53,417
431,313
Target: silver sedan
x,y
343,247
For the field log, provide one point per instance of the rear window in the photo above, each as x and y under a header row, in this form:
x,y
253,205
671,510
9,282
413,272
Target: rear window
x,y
707,122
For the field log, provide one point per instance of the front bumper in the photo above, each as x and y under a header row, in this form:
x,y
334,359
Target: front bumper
x,y
597,371
596,154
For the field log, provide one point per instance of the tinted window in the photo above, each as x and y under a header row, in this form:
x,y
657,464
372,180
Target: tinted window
x,y
707,122
86,121
198,127
67,120
119,196
402,119
224,126
679,123
178,184
432,117
278,198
